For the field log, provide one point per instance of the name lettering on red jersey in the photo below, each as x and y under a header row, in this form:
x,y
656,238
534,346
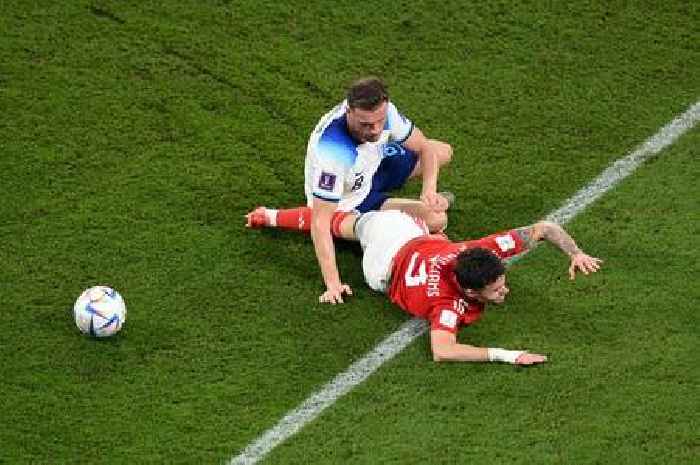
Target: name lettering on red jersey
x,y
433,288
435,272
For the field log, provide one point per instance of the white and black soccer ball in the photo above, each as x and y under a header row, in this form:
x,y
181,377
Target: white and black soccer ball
x,y
99,311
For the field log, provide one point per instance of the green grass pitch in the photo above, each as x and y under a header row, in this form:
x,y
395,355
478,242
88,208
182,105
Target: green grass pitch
x,y
134,136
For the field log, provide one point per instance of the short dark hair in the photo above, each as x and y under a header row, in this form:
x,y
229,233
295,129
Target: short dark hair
x,y
367,93
477,268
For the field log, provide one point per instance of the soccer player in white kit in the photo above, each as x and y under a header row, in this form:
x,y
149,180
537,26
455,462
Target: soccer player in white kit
x,y
359,151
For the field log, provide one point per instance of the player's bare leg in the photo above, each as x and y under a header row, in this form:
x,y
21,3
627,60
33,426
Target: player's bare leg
x,y
347,227
299,219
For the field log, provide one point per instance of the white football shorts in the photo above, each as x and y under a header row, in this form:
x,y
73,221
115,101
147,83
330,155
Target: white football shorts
x,y
382,234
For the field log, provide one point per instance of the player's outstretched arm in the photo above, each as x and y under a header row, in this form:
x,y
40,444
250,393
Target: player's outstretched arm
x,y
446,349
321,215
432,154
555,234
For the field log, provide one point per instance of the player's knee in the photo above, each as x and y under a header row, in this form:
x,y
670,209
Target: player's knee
x,y
347,227
445,153
436,221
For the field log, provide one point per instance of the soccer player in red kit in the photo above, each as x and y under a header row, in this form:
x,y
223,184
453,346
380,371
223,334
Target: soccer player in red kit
x,y
450,283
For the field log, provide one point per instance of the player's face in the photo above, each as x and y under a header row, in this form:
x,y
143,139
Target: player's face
x,y
367,125
496,291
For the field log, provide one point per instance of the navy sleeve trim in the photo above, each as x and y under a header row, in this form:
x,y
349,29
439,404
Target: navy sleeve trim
x,y
326,198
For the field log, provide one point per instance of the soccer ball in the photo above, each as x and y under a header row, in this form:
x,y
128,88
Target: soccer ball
x,y
99,311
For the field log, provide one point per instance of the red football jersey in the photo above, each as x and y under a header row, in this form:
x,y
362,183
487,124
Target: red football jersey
x,y
424,284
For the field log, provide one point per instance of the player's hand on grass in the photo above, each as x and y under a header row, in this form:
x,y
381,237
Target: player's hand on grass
x,y
584,263
334,294
434,201
526,358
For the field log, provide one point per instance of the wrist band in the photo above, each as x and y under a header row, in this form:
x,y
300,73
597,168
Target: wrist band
x,y
502,355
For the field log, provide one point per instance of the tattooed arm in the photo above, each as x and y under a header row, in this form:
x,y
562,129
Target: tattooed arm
x,y
555,234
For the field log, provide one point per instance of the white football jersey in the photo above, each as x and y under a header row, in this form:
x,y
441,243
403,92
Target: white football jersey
x,y
339,169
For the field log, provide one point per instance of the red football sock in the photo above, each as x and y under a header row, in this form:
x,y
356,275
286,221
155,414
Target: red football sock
x,y
336,221
296,219
299,219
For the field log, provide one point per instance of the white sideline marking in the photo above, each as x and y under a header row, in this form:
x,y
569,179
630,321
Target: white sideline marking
x,y
341,385
397,341
623,167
